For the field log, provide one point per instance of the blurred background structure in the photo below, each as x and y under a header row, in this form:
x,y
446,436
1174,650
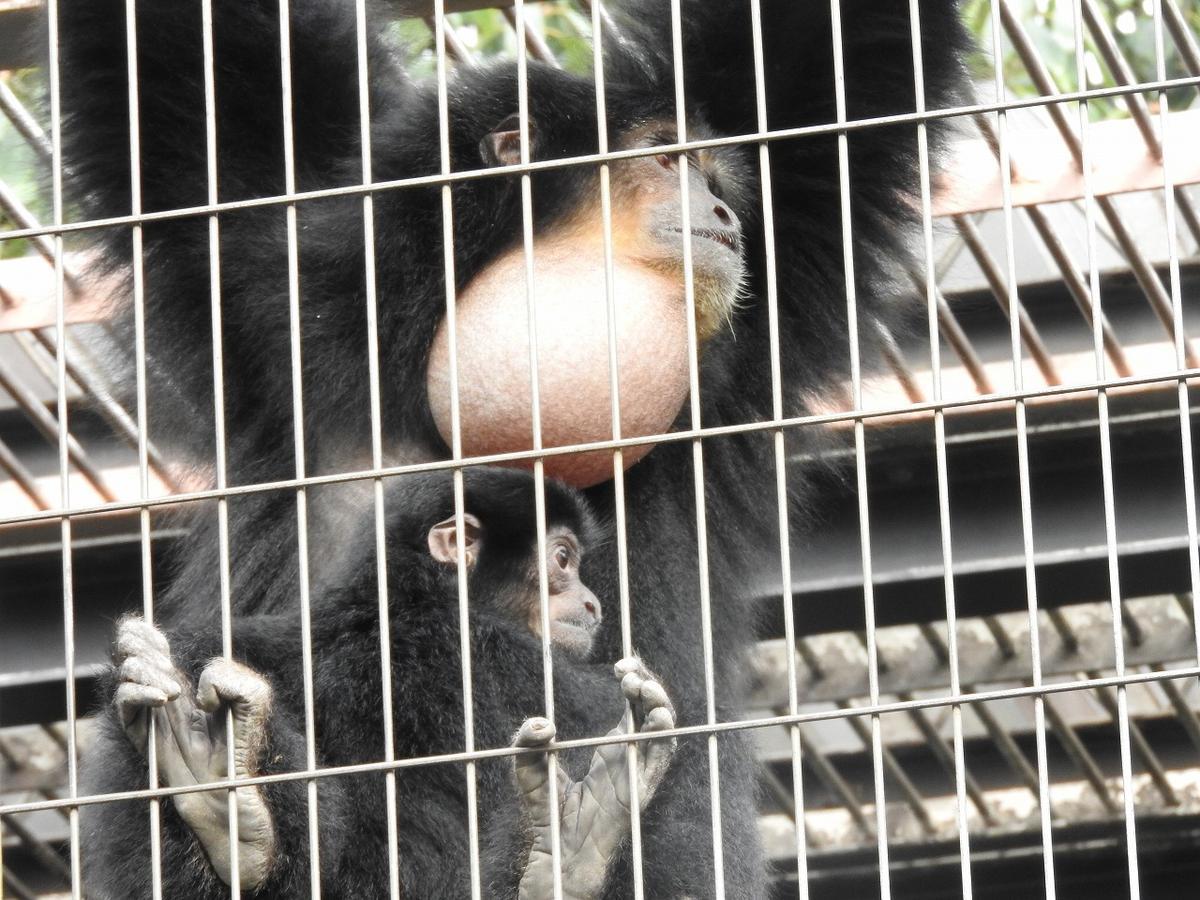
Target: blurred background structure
x,y
1071,519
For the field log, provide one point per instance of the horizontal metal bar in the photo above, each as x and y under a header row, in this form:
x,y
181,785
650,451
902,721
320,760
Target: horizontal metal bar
x,y
717,728
688,434
832,128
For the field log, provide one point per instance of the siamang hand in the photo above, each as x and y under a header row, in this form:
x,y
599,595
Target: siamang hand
x,y
190,742
594,814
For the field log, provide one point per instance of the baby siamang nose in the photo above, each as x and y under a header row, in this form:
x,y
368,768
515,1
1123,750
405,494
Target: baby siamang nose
x,y
724,216
590,607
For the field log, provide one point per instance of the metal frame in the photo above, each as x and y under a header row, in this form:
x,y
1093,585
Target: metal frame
x,y
811,679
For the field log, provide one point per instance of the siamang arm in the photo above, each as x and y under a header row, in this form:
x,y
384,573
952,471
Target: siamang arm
x,y
718,57
249,98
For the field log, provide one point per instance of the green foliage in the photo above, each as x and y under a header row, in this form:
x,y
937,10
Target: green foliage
x,y
487,34
19,165
1050,25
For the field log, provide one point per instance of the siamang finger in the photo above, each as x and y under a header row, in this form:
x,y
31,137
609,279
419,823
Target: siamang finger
x,y
644,695
654,697
629,664
656,755
660,718
225,681
132,698
248,695
136,637
148,673
533,769
534,732
631,687
133,702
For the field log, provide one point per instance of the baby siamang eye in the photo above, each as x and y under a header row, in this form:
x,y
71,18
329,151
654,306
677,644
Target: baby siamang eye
x,y
667,162
562,556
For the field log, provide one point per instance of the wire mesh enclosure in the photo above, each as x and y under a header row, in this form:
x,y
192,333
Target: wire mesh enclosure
x,y
864,332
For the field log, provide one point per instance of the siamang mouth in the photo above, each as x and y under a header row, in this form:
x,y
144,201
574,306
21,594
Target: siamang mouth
x,y
585,627
728,239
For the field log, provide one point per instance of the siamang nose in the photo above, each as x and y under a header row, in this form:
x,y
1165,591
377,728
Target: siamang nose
x,y
715,215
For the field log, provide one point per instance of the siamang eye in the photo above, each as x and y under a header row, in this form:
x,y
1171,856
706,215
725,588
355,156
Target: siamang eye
x,y
562,557
667,162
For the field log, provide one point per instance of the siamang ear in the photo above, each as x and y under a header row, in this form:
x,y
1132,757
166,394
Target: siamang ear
x,y
502,145
443,540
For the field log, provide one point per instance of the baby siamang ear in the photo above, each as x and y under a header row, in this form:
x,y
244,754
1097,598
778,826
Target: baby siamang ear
x,y
502,145
443,540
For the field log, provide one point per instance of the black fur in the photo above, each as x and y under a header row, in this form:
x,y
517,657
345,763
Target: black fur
x,y
425,663
735,371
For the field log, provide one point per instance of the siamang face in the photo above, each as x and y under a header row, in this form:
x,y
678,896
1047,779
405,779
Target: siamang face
x,y
647,194
509,581
650,191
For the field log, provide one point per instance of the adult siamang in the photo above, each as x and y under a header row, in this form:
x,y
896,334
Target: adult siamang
x,y
730,292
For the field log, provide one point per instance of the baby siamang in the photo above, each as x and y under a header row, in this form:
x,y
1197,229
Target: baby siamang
x,y
153,683
409,276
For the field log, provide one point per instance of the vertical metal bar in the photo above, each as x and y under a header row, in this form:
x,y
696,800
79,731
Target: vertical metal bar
x,y
838,785
714,798
68,584
1106,465
139,350
949,761
631,750
535,44
943,478
439,18
539,475
1140,745
1007,746
1014,300
777,437
1185,426
1050,240
454,47
1122,73
372,310
860,449
1146,277
970,235
892,767
953,332
1088,766
219,443
293,265
1181,34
